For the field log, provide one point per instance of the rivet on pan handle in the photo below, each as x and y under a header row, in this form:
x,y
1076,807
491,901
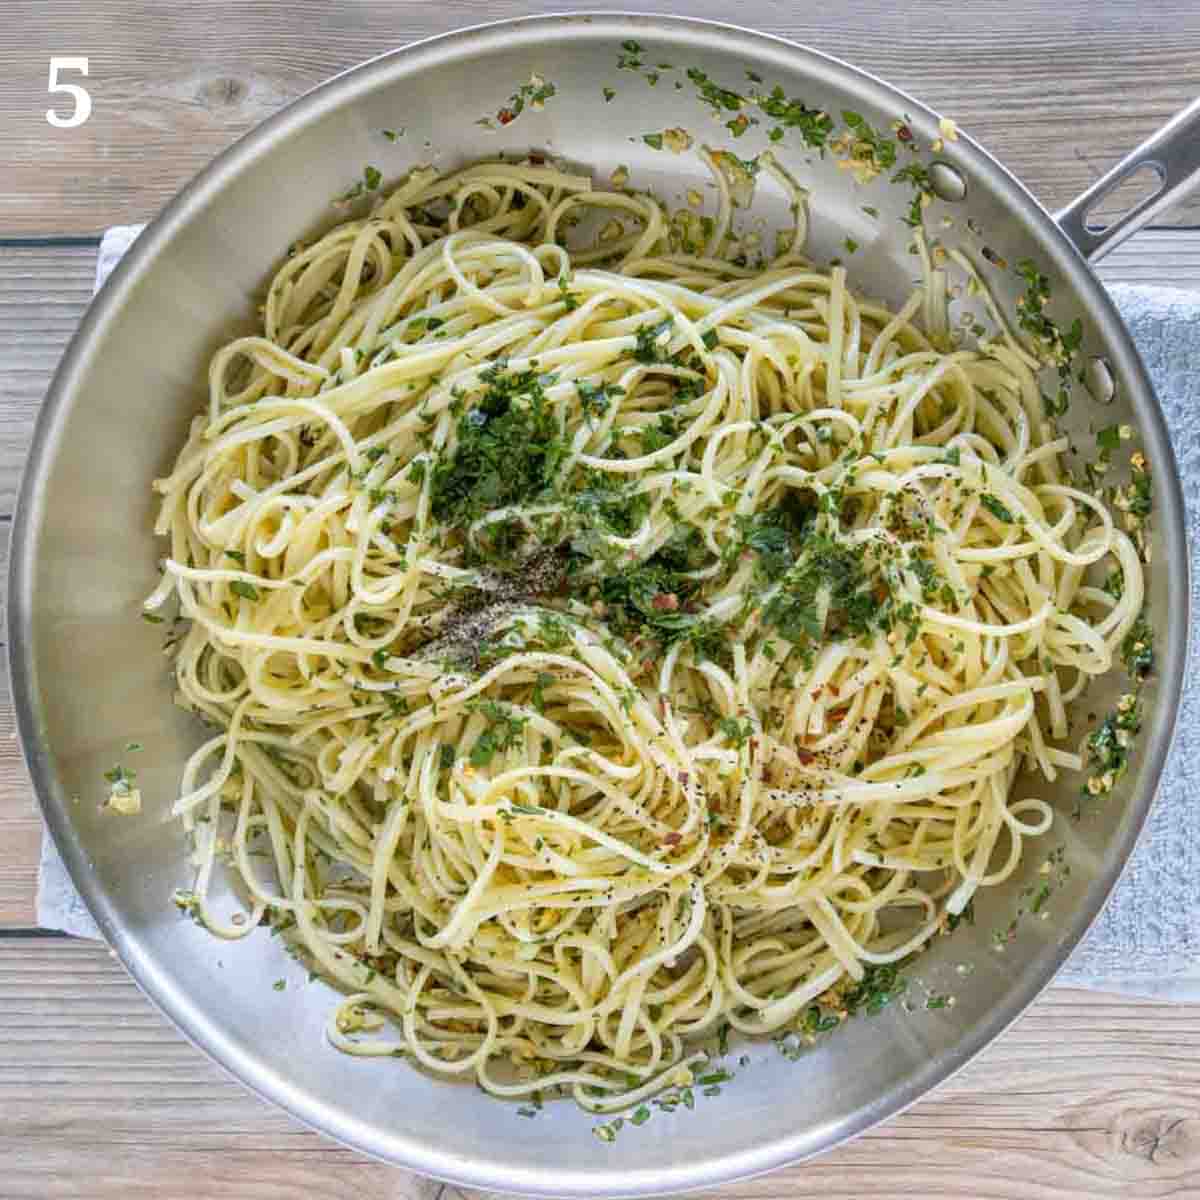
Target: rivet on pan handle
x,y
1173,154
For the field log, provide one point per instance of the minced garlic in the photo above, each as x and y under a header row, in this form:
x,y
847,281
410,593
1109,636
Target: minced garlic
x,y
128,802
677,140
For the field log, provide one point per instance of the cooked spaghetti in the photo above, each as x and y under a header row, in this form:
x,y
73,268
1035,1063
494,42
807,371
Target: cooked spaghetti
x,y
608,644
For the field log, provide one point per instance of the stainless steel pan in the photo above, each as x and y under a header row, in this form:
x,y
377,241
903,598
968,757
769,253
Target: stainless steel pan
x,y
88,676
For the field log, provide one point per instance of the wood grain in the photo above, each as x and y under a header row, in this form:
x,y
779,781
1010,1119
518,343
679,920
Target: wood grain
x,y
1085,1096
1048,87
43,294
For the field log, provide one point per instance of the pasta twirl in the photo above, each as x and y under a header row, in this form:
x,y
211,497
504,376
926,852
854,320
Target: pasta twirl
x,y
606,643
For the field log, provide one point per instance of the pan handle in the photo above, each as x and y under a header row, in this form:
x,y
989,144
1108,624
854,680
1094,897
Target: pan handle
x,y
1173,154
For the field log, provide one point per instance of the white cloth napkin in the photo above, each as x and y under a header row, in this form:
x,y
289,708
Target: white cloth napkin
x,y
1147,941
58,903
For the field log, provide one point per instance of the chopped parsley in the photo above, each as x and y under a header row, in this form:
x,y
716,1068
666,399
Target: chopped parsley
x,y
719,99
1139,497
735,731
543,681
650,596
869,145
596,399
880,985
570,299
916,175
1109,744
954,920
630,58
1056,346
508,450
120,780
776,536
996,508
656,437
372,177
649,338
504,730
602,499
831,591
813,125
533,94
1137,650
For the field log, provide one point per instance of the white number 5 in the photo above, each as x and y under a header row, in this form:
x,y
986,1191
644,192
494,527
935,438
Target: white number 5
x,y
81,96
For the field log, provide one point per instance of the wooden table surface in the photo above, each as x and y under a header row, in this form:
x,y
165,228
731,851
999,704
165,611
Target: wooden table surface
x,y
1088,1095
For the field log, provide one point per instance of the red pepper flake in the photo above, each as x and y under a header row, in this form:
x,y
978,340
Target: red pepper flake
x,y
904,133
673,839
806,756
665,602
832,689
506,116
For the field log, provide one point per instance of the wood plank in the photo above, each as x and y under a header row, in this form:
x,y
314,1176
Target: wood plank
x,y
1037,81
44,291
20,824
1086,1096
20,820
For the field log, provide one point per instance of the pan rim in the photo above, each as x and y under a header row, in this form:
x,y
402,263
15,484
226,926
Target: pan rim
x,y
188,205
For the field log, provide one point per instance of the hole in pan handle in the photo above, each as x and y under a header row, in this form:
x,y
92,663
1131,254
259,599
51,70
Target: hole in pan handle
x,y
1173,154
